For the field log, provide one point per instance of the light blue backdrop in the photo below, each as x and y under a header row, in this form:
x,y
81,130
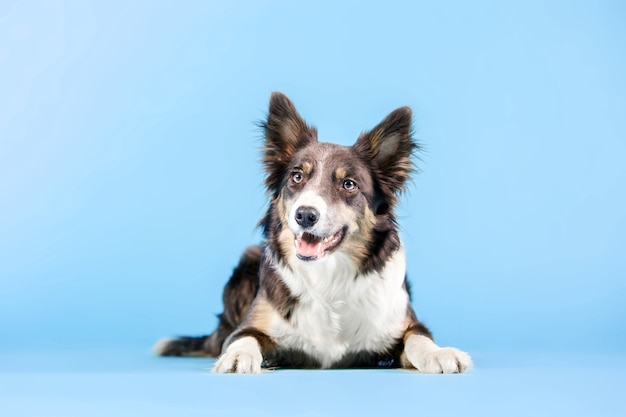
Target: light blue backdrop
x,y
129,159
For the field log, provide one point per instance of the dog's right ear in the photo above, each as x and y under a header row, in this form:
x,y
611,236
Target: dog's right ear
x,y
285,133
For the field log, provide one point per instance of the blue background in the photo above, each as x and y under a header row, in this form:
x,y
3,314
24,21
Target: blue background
x,y
130,179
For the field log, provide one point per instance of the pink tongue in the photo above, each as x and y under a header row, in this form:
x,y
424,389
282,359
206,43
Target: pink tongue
x,y
309,248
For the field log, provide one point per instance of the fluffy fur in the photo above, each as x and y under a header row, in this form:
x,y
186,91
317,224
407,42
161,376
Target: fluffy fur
x,y
327,289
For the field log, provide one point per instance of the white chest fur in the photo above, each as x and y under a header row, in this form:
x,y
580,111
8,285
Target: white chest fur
x,y
340,311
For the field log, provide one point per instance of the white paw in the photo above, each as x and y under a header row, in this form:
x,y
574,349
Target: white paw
x,y
425,356
241,357
442,361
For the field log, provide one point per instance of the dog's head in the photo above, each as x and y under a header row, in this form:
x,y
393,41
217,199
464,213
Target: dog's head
x,y
327,198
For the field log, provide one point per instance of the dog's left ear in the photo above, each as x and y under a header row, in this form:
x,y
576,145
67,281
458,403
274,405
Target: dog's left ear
x,y
388,149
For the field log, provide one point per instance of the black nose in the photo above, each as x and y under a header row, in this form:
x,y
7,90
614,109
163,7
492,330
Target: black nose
x,y
307,216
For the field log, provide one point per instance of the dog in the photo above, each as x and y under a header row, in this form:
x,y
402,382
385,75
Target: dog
x,y
327,288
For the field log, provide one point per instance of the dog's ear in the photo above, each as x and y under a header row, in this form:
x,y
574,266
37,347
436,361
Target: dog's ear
x,y
388,149
285,133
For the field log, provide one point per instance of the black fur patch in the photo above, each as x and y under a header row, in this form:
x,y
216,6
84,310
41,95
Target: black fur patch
x,y
384,243
276,291
272,227
185,346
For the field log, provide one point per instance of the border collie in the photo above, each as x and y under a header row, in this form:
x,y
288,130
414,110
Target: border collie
x,y
327,288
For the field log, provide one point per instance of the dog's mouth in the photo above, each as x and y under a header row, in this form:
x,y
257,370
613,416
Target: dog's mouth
x,y
310,247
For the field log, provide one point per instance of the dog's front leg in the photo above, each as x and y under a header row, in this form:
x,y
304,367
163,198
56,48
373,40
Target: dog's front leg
x,y
245,349
243,356
421,353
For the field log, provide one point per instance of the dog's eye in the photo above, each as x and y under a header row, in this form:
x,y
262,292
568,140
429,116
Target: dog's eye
x,y
297,177
349,185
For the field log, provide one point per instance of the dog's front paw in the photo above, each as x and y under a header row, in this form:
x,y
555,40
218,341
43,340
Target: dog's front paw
x,y
425,356
442,361
242,357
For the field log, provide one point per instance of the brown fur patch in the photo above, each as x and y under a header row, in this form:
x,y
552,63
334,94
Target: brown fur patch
x,y
286,242
360,244
414,326
266,343
261,314
340,173
307,168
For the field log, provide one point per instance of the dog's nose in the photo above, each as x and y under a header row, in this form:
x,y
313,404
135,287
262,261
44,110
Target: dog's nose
x,y
307,216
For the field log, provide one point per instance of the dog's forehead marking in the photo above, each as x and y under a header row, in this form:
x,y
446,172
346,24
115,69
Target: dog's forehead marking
x,y
340,172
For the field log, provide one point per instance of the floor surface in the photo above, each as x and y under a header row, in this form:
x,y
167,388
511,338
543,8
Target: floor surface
x,y
130,381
